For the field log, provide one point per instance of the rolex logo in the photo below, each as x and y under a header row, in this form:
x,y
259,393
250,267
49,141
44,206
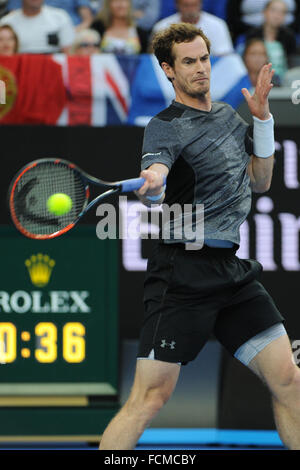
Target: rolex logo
x,y
40,268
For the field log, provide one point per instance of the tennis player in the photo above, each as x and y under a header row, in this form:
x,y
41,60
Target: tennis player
x,y
204,149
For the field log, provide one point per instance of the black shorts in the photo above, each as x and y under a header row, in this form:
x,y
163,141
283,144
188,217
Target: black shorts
x,y
191,295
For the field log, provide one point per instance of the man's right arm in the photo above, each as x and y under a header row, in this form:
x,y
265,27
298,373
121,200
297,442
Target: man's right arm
x,y
154,184
161,147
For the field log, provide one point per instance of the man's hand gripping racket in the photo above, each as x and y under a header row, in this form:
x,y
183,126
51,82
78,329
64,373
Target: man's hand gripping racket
x,y
48,180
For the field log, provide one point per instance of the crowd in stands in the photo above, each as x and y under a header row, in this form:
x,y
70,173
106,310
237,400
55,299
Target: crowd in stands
x,y
261,31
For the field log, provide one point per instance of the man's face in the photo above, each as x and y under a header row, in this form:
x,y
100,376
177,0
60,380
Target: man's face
x,y
189,10
190,73
33,4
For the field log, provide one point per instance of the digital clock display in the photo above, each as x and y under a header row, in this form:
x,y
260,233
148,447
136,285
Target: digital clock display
x,y
58,314
45,343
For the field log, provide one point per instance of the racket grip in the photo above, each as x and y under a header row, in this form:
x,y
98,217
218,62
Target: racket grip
x,y
134,184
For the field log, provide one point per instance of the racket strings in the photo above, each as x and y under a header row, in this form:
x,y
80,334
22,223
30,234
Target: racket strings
x,y
33,190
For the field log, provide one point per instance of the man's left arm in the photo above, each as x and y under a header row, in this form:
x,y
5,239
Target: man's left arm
x,y
260,169
260,172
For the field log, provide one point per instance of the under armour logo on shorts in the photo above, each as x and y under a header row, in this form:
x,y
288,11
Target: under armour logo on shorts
x,y
164,344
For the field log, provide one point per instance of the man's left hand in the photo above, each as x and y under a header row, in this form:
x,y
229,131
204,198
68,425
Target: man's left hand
x,y
258,103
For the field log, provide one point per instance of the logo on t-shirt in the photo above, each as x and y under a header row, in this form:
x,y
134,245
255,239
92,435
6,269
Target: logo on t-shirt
x,y
164,344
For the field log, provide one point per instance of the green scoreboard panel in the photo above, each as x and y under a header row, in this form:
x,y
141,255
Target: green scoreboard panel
x,y
58,331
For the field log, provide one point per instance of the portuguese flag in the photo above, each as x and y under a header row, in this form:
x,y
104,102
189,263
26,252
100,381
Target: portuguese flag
x,y
34,89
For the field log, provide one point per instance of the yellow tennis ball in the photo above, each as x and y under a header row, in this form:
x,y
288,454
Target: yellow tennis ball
x,y
59,204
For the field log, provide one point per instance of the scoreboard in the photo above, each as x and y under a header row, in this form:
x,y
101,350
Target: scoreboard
x,y
59,338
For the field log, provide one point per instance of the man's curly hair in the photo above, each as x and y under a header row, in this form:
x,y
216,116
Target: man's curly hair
x,y
163,41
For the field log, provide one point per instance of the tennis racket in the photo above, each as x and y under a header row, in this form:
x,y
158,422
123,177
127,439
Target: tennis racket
x,y
33,185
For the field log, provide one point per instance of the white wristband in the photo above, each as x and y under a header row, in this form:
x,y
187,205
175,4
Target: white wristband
x,y
263,137
158,196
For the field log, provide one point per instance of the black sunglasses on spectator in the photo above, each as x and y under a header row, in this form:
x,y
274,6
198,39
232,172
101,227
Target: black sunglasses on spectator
x,y
89,44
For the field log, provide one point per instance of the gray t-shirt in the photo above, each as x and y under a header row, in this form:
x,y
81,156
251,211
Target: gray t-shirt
x,y
208,154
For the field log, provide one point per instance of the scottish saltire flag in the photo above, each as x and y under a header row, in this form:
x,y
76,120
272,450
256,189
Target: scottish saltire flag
x,y
151,91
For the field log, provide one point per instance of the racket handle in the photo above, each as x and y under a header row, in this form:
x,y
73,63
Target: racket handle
x,y
134,184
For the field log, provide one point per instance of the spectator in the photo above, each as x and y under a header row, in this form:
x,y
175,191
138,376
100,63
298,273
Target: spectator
x,y
41,29
190,11
87,42
255,57
280,41
79,10
117,29
9,42
243,15
145,12
215,7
